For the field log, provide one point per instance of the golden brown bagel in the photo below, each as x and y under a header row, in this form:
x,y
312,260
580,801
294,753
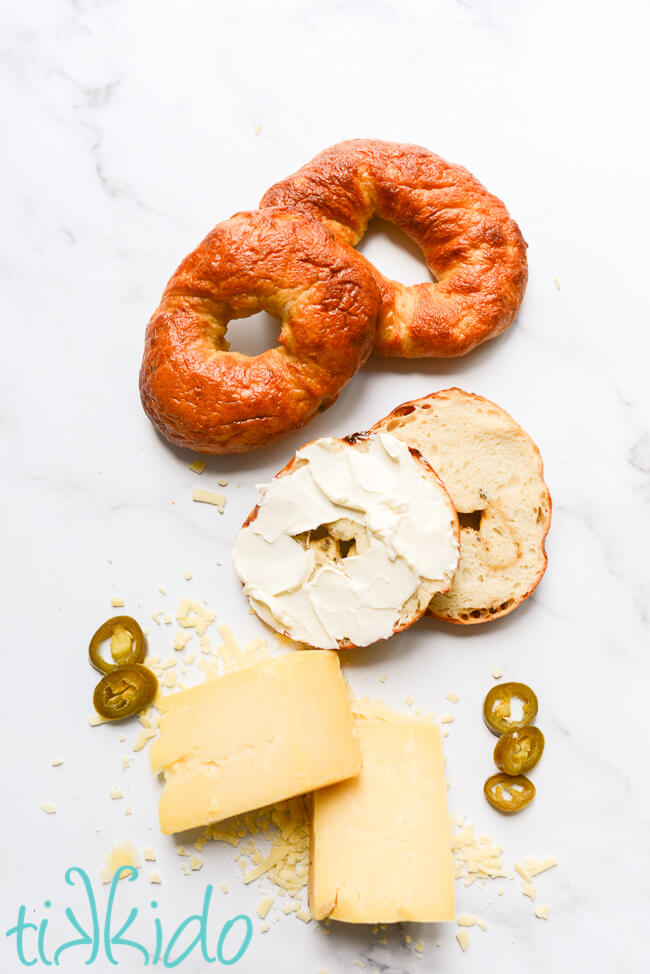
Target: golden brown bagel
x,y
200,395
471,245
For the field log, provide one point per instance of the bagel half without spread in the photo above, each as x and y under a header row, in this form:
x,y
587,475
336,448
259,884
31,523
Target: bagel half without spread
x,y
471,245
493,472
348,543
203,396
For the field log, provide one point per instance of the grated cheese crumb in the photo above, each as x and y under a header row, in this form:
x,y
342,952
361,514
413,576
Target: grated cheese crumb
x,y
149,854
143,737
264,906
117,601
447,719
383,679
196,863
466,920
223,887
210,497
482,924
523,872
496,673
162,590
116,793
462,937
128,810
222,483
528,890
198,466
49,808
155,878
537,867
122,854
453,697
181,639
542,912
265,927
56,762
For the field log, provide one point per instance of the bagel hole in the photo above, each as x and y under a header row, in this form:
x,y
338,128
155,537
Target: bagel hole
x,y
338,548
394,253
470,519
253,335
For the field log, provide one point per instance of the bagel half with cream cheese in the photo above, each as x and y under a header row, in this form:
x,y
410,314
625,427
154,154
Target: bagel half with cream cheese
x,y
493,472
349,542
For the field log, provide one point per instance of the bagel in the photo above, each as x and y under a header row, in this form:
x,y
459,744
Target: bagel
x,y
493,472
202,396
348,543
471,245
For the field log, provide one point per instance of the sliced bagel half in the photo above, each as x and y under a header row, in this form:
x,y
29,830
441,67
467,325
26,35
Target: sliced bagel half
x,y
349,543
493,472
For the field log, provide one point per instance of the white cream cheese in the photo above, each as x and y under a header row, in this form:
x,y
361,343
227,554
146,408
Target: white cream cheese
x,y
411,537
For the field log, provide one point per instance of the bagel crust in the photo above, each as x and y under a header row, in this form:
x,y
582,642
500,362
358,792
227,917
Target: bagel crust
x,y
471,245
202,396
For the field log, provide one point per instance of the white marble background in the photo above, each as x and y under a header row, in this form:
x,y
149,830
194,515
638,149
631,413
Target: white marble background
x,y
129,128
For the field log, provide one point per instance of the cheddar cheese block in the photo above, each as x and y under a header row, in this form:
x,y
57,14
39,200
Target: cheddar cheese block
x,y
381,841
255,736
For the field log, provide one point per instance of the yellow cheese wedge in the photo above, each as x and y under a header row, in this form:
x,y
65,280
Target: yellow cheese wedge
x,y
381,842
258,735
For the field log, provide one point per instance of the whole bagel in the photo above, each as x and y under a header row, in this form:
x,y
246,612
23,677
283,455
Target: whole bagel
x,y
471,245
202,396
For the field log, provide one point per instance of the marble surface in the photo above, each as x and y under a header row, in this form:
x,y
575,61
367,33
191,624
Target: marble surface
x,y
128,129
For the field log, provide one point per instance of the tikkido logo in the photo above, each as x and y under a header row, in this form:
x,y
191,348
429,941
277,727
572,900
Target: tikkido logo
x,y
106,938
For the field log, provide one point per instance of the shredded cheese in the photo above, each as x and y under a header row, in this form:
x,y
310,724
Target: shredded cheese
x,y
210,497
264,906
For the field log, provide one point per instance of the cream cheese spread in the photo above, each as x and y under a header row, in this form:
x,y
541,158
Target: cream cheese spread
x,y
411,532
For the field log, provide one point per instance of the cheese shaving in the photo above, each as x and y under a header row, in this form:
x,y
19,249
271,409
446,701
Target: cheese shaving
x,y
466,920
210,497
264,906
